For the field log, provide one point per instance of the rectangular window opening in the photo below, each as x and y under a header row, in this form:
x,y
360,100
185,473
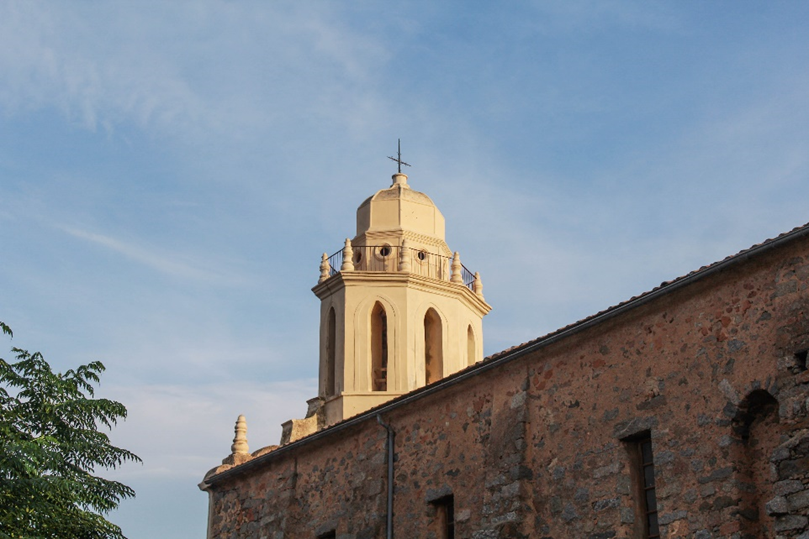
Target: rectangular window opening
x,y
445,517
649,498
643,474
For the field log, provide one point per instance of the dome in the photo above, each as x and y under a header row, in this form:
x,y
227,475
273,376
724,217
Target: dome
x,y
400,210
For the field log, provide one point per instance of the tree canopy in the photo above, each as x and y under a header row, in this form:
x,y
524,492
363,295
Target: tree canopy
x,y
50,447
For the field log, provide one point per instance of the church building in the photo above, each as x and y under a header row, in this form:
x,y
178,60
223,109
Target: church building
x,y
681,412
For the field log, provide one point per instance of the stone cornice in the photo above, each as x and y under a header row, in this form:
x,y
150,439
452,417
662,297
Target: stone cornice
x,y
346,279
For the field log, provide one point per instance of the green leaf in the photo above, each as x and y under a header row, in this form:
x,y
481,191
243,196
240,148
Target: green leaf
x,y
50,447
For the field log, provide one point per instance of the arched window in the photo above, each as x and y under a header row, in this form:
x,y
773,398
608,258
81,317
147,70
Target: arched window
x,y
471,357
331,367
379,348
433,354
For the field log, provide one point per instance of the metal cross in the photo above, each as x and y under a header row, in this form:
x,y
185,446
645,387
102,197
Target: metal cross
x,y
399,159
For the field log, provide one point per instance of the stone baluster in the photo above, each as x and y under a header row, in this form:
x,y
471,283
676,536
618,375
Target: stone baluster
x,y
456,269
404,257
348,257
477,286
239,446
324,268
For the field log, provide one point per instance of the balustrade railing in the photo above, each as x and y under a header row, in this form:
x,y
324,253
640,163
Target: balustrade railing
x,y
389,258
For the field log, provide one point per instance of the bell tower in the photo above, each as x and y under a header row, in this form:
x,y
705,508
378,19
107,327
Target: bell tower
x,y
398,309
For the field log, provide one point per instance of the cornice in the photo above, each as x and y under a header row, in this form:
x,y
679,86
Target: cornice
x,y
352,279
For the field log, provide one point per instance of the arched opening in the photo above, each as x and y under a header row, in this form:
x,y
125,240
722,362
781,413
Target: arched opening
x,y
755,426
471,356
433,354
379,348
331,345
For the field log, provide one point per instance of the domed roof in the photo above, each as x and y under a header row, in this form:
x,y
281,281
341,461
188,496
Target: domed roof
x,y
400,209
402,192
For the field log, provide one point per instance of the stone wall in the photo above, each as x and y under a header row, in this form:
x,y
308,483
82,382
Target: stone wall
x,y
542,445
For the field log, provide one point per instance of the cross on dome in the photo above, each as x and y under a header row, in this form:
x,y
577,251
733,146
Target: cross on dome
x,y
399,158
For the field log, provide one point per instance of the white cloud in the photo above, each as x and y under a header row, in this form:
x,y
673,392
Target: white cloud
x,y
52,56
253,68
183,431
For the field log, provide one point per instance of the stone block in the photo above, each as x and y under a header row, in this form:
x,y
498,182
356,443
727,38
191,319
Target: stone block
x,y
782,488
609,503
627,516
518,400
780,453
716,475
569,513
798,501
668,518
790,523
777,506
788,469
604,471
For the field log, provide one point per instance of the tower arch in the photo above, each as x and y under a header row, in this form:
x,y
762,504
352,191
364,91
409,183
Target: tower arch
x,y
379,347
471,348
375,343
433,346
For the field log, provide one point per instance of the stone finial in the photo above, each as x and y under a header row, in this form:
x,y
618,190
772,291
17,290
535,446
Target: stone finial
x,y
324,268
404,256
477,286
239,446
348,257
456,269
400,179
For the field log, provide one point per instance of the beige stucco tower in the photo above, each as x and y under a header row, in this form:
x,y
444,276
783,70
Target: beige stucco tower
x,y
398,309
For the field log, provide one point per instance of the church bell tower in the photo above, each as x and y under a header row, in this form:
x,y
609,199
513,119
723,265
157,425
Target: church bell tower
x,y
398,309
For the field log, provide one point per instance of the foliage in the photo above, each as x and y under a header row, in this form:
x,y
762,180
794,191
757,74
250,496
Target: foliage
x,y
50,446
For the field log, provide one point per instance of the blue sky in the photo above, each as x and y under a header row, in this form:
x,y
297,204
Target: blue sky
x,y
171,173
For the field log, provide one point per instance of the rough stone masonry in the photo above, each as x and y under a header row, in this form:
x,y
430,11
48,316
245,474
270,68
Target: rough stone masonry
x,y
545,440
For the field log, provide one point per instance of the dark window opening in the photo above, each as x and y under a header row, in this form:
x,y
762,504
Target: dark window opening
x,y
648,483
642,471
330,388
800,360
379,348
445,517
384,251
422,255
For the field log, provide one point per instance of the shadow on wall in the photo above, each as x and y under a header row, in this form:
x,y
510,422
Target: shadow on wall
x,y
755,437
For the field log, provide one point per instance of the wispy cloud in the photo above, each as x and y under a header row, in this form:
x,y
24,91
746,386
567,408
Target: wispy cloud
x,y
162,262
114,67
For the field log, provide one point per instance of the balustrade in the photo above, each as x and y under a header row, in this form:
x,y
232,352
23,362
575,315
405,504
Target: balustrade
x,y
395,259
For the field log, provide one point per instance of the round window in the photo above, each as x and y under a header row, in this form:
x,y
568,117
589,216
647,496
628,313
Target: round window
x,y
384,251
422,255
